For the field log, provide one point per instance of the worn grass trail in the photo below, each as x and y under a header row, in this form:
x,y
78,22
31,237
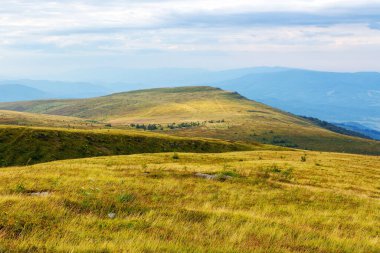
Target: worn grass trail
x,y
262,201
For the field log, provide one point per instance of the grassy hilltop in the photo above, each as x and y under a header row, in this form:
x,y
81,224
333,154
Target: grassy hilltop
x,y
262,201
203,112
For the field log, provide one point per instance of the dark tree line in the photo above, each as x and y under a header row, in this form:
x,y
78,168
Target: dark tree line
x,y
150,127
153,127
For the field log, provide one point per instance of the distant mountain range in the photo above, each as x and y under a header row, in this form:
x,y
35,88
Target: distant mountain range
x,y
18,90
340,128
360,129
329,96
334,97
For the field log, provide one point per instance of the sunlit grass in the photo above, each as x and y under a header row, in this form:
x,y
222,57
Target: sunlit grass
x,y
272,201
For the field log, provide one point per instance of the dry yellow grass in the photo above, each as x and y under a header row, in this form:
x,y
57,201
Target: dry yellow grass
x,y
272,201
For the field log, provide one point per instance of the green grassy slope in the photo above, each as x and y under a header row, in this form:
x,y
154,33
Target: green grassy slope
x,y
25,145
272,202
237,118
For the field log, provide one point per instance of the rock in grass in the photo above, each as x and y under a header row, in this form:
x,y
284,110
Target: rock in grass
x,y
219,177
40,194
205,176
112,215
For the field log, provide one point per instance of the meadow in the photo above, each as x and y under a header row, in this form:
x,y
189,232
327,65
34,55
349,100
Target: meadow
x,y
256,201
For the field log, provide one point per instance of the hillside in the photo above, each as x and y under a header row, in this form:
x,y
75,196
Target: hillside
x,y
27,145
33,119
330,96
207,112
260,201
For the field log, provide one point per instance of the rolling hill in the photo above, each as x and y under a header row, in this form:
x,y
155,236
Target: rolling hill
x,y
330,96
209,199
260,201
30,145
202,112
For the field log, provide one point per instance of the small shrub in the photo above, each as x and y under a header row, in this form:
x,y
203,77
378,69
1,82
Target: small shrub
x,y
20,188
286,175
175,156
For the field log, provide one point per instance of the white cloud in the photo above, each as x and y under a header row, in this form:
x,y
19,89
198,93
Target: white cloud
x,y
77,27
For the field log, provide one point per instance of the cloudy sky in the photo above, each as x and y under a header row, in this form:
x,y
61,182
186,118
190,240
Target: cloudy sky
x,y
41,37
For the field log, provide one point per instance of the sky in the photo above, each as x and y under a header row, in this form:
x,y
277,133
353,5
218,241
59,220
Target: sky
x,y
41,38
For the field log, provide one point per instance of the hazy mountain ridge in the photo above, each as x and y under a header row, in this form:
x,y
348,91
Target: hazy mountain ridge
x,y
360,129
337,128
17,92
325,95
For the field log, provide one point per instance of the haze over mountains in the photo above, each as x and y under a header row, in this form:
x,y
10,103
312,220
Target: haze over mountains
x,y
18,90
334,97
